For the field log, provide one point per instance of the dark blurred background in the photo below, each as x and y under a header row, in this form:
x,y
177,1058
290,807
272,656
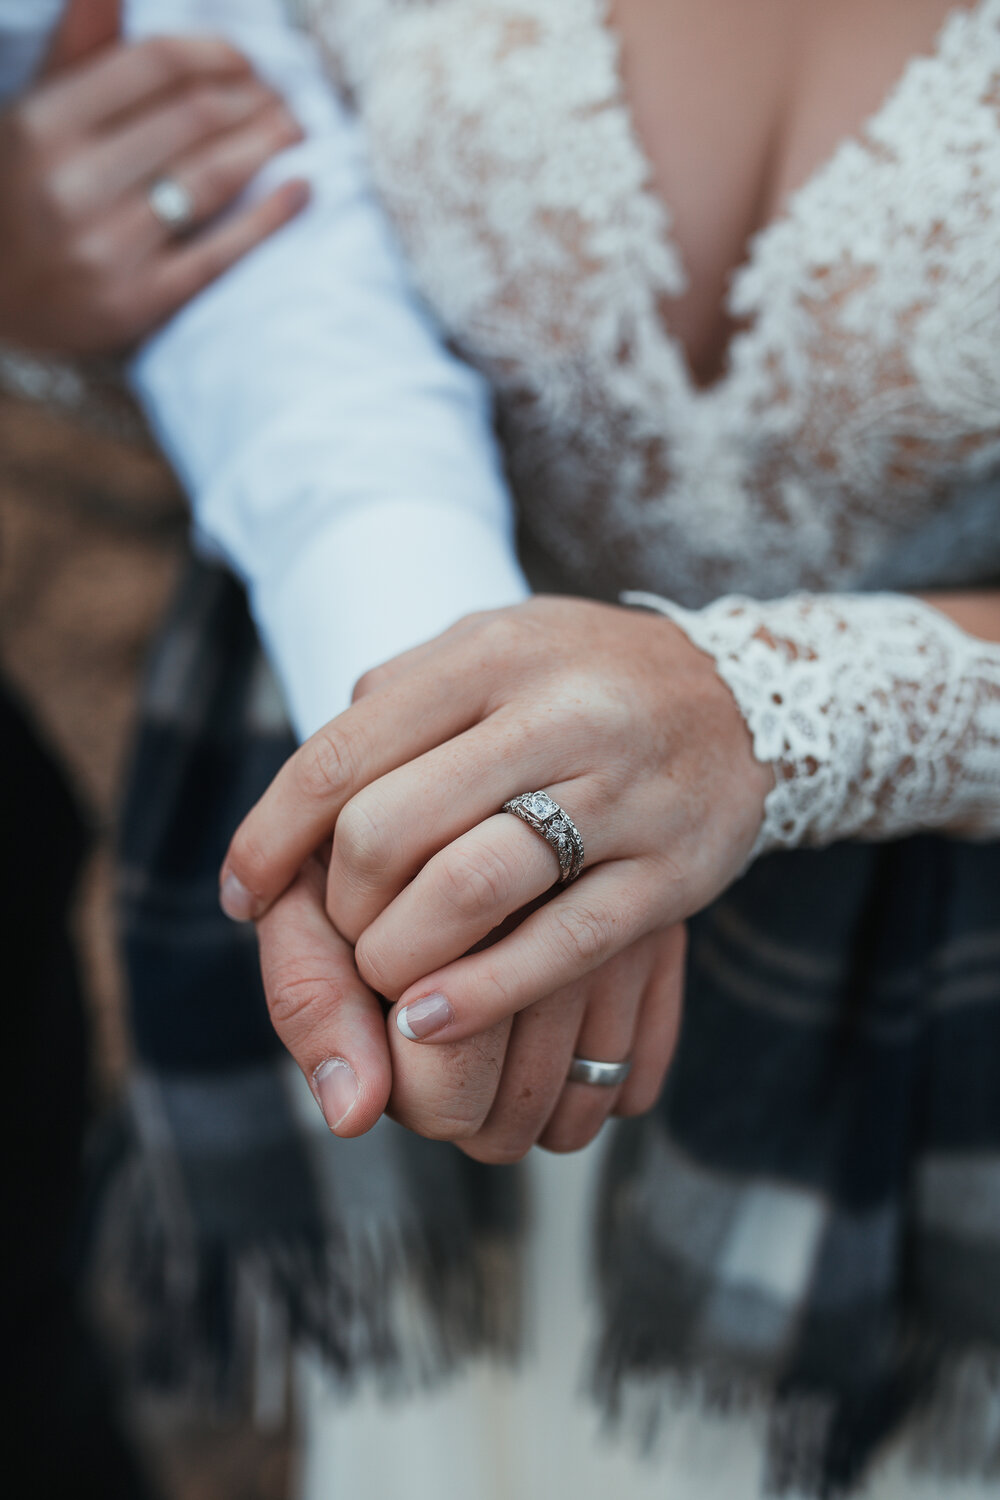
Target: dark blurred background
x,y
92,532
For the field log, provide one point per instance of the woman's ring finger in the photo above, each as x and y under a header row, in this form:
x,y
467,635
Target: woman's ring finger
x,y
466,892
542,813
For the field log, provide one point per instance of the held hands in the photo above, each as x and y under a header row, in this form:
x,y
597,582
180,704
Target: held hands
x,y
630,729
86,267
495,1094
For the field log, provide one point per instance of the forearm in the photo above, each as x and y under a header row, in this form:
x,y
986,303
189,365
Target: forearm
x,y
879,714
338,458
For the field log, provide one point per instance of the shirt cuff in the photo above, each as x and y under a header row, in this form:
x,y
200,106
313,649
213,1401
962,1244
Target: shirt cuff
x,y
384,578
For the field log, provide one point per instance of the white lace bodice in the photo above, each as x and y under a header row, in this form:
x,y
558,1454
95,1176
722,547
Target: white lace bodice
x,y
854,438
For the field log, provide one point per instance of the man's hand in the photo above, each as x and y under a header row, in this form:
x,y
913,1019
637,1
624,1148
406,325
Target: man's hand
x,y
497,1094
331,1023
86,266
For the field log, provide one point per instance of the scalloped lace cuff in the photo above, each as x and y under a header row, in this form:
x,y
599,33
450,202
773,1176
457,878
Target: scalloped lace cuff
x,y
879,715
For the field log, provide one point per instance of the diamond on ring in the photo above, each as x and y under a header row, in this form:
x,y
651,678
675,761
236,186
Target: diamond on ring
x,y
172,204
542,813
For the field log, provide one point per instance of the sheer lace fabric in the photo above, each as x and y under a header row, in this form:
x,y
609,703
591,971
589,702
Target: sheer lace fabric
x,y
878,714
858,414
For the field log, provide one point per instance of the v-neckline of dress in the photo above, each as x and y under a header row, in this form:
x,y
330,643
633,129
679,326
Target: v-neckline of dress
x,y
756,246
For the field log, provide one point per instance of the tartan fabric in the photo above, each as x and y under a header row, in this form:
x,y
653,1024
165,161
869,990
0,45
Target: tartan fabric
x,y
234,1196
817,1209
809,1219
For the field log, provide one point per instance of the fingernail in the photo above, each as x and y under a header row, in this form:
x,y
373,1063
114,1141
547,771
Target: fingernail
x,y
235,900
337,1088
422,1018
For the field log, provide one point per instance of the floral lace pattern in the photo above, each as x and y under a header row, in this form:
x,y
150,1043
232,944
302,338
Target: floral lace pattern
x,y
878,714
860,409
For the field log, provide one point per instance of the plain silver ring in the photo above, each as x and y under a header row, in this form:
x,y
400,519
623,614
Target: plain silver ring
x,y
171,204
543,813
606,1075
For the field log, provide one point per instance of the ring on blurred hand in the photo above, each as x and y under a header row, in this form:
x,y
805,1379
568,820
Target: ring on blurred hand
x,y
172,204
607,1075
556,827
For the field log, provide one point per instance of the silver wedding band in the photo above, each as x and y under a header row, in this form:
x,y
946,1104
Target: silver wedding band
x,y
171,204
606,1075
542,813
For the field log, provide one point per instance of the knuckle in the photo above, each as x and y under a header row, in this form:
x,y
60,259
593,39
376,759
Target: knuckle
x,y
374,965
476,619
447,1094
496,1153
468,627
475,882
493,995
508,1137
441,1123
503,633
294,998
452,1125
362,842
324,767
225,54
584,934
369,682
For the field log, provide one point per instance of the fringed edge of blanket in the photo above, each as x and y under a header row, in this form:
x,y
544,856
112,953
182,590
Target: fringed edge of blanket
x,y
406,1306
215,1329
943,1417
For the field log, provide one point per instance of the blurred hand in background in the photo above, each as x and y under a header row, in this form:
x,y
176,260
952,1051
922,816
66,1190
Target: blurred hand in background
x,y
114,170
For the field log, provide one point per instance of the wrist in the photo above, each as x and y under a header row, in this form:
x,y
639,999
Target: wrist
x,y
744,777
868,707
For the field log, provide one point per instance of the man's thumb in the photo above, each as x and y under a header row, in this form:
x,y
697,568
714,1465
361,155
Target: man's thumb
x,y
86,26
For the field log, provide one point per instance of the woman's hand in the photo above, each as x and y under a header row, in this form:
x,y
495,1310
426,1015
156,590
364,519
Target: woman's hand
x,y
495,1095
86,267
612,711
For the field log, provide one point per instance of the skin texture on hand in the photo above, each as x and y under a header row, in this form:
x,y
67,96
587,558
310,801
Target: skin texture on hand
x,y
85,265
627,726
495,1095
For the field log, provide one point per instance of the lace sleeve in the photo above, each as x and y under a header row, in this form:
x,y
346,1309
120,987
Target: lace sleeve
x,y
880,716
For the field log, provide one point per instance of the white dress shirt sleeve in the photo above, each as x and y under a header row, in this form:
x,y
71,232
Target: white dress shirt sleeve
x,y
336,456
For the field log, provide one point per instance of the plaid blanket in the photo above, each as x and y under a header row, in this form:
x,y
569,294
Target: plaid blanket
x,y
809,1220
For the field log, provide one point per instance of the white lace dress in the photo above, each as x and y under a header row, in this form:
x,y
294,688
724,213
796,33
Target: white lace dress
x,y
851,447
